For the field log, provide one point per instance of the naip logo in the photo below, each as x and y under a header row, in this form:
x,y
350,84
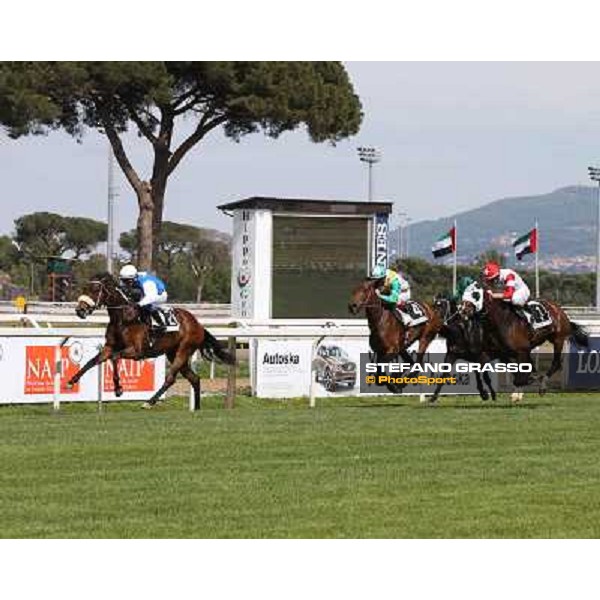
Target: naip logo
x,y
40,370
135,376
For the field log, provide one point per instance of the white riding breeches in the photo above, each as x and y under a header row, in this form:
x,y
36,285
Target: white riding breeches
x,y
403,297
520,296
153,300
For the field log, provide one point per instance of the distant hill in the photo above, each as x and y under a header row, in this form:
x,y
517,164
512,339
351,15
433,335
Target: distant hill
x,y
567,219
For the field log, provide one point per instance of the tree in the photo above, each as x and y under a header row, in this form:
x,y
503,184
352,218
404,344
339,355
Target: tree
x,y
43,234
9,254
189,254
240,97
82,235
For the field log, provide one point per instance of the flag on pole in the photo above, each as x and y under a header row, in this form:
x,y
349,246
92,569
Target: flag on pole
x,y
445,245
526,244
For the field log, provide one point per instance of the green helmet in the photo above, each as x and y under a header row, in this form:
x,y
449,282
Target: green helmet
x,y
379,272
463,284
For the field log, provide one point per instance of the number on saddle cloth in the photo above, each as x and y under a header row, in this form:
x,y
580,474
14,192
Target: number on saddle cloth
x,y
538,313
412,314
169,316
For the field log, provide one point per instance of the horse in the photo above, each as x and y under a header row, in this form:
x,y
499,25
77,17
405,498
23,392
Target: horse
x,y
459,344
129,337
517,338
389,337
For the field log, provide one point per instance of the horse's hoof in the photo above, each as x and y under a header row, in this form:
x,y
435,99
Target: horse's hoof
x,y
148,405
516,397
69,385
485,396
118,392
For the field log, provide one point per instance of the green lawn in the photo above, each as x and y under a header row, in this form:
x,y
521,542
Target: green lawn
x,y
367,467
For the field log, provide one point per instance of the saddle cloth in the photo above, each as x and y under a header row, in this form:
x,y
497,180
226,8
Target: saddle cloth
x,y
537,314
411,314
170,318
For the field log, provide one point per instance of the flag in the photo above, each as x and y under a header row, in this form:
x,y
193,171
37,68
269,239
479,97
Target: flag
x,y
445,245
526,244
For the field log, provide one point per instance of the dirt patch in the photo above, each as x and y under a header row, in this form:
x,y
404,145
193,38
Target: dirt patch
x,y
218,384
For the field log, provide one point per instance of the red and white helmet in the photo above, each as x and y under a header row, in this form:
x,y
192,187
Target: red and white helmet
x,y
491,270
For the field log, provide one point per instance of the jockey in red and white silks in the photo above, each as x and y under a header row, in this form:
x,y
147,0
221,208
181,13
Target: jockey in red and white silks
x,y
515,289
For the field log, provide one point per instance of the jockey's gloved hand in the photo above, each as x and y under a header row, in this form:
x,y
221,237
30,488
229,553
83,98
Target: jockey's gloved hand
x,y
378,292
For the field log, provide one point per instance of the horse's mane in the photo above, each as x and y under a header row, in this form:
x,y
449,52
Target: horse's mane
x,y
105,277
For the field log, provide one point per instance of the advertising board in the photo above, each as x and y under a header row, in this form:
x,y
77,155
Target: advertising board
x,y
28,369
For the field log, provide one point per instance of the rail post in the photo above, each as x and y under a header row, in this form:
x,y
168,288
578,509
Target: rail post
x,y
57,376
230,396
58,373
313,350
100,368
193,405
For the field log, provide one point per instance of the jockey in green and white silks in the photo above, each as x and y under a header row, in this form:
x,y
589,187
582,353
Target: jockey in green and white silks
x,y
461,286
395,289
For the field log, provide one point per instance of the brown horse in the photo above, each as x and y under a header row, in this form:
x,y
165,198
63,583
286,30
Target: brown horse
x,y
389,337
128,337
517,338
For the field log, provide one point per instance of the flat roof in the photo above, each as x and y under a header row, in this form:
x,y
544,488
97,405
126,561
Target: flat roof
x,y
307,205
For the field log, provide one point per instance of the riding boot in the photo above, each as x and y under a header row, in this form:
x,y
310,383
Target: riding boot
x,y
159,319
521,314
402,317
146,319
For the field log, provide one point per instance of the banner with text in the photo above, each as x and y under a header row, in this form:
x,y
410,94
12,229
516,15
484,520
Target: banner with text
x,y
28,368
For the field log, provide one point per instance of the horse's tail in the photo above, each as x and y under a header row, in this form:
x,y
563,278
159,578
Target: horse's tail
x,y
211,348
579,334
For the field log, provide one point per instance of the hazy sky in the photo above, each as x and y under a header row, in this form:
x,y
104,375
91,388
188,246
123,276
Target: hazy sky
x,y
453,136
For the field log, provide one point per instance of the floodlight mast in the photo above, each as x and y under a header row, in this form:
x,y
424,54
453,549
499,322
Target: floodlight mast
x,y
369,155
594,173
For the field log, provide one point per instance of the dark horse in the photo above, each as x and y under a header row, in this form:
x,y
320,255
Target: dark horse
x,y
128,337
517,339
464,341
389,337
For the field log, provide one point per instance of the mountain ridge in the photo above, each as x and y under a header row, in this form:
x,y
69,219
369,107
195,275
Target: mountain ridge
x,y
566,216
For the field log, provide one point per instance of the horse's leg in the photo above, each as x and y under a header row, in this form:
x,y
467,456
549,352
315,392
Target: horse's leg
x,y
395,388
482,393
178,360
101,357
116,377
556,364
449,358
488,381
194,380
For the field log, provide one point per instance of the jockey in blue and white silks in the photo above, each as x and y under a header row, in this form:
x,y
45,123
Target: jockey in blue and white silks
x,y
153,289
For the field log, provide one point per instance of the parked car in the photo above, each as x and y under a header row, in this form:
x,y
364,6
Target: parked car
x,y
333,368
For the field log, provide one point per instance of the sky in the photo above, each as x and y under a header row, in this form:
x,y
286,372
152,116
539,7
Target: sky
x,y
453,136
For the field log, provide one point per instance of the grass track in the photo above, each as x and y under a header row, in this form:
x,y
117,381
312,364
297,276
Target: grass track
x,y
350,468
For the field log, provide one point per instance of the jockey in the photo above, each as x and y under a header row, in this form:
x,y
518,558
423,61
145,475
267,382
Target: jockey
x,y
515,289
461,286
153,290
395,289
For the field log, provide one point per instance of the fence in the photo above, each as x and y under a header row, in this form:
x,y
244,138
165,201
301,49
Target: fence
x,y
30,326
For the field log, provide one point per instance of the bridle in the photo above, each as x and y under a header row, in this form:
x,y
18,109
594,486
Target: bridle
x,y
103,294
367,303
446,302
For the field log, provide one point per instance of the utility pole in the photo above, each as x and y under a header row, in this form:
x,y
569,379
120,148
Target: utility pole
x,y
110,243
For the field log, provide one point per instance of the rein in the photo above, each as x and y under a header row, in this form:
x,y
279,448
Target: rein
x,y
106,291
451,317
